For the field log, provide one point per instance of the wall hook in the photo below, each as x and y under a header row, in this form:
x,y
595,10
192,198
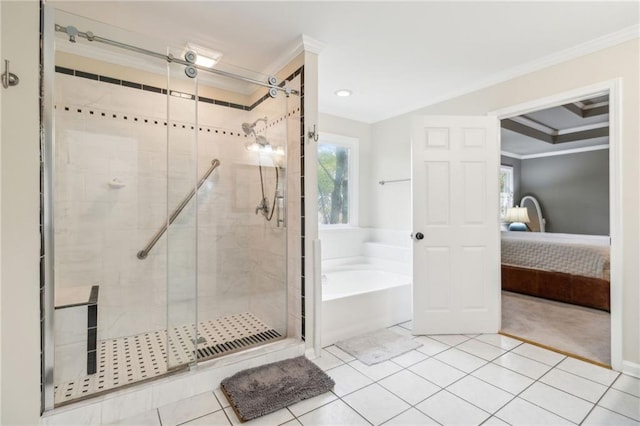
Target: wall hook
x,y
8,78
313,134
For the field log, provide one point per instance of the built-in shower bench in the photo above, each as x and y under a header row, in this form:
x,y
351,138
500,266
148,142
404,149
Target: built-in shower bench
x,y
76,331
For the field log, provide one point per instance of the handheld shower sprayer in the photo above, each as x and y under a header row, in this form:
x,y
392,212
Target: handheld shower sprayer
x,y
261,144
249,128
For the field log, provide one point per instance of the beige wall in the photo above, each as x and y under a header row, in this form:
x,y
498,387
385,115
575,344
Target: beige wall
x,y
621,61
19,226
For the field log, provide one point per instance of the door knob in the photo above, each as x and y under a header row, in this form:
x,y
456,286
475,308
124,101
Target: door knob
x,y
419,235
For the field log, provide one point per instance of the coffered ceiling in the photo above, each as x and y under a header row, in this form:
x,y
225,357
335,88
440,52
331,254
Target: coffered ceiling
x,y
581,124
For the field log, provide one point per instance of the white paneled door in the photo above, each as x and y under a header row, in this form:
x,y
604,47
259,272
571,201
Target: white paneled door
x,y
456,235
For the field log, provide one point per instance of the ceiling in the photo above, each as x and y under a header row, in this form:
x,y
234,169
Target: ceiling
x,y
394,56
576,125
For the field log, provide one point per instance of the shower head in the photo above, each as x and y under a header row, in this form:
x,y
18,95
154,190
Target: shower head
x,y
248,127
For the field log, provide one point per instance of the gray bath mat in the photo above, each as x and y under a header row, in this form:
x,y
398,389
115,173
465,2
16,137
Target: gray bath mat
x,y
381,345
262,390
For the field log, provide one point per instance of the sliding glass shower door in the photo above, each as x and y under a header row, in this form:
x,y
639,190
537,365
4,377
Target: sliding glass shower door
x,y
168,225
181,217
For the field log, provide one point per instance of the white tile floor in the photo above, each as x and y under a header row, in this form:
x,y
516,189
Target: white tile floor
x,y
450,380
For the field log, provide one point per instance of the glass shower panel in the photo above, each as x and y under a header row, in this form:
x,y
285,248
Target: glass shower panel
x,y
109,198
267,250
182,199
242,281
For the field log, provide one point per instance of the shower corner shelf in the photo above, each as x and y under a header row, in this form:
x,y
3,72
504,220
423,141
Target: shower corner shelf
x,y
116,183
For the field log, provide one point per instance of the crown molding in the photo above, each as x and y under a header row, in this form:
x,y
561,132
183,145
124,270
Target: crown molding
x,y
603,42
304,43
313,45
600,43
511,155
554,153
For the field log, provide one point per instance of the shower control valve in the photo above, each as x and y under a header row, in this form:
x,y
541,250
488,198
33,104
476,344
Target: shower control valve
x,y
263,207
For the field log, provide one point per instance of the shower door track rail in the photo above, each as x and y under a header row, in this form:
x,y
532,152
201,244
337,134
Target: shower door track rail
x,y
73,32
142,254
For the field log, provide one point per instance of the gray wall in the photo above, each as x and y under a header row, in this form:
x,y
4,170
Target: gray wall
x,y
573,191
517,165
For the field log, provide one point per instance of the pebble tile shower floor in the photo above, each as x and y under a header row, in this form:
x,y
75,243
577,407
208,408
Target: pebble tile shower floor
x,y
131,359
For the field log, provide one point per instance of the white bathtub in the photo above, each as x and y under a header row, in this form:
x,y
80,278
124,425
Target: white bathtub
x,y
360,298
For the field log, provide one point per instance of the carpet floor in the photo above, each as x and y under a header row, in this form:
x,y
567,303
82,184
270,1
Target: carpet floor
x,y
572,329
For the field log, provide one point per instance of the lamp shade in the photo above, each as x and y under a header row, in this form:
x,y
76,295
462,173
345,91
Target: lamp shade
x,y
517,214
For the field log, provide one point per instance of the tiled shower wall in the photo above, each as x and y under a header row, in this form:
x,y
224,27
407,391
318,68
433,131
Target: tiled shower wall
x,y
106,131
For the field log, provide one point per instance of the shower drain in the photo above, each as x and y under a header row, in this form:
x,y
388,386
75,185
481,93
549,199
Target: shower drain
x,y
131,359
238,344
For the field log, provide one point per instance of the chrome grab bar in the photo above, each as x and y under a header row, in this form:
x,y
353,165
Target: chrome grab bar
x,y
142,254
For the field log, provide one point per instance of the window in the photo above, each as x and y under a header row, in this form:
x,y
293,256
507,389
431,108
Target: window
x,y
506,189
337,180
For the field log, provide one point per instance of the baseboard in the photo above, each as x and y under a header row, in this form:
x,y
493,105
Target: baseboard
x,y
631,368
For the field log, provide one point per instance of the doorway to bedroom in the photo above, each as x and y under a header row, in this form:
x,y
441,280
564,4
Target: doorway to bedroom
x,y
557,197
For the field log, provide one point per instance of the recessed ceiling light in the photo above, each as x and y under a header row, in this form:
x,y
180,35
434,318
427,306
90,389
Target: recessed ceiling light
x,y
343,93
205,57
205,62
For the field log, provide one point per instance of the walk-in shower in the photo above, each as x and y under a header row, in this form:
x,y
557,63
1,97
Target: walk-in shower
x,y
157,256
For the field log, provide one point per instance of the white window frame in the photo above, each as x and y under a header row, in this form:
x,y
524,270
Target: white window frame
x,y
509,171
354,185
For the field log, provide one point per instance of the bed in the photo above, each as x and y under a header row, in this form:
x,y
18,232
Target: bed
x,y
563,267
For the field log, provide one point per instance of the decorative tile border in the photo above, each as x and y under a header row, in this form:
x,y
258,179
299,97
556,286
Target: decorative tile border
x,y
148,120
154,89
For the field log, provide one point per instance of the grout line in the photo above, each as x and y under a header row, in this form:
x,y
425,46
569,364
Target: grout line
x,y
397,415
224,411
469,402
538,381
578,376
441,389
602,396
358,412
620,390
514,396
